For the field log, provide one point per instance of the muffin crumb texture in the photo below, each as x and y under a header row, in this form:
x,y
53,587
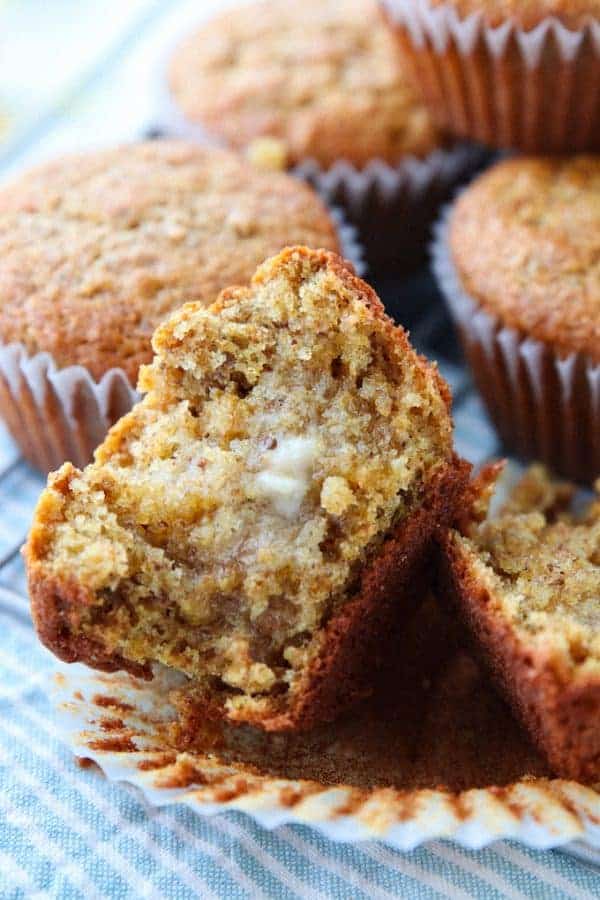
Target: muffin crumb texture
x,y
527,584
546,561
525,239
285,432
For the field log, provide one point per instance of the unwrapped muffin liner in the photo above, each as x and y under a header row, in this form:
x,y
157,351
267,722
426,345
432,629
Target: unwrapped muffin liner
x,y
119,723
546,406
536,90
56,414
393,206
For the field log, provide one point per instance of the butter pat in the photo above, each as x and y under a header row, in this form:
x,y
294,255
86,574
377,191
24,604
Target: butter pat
x,y
286,474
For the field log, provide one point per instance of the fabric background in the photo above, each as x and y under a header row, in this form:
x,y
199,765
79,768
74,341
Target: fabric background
x,y
65,832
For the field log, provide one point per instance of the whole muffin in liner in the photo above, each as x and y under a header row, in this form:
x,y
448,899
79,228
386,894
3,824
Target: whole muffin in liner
x,y
529,81
57,411
319,90
545,405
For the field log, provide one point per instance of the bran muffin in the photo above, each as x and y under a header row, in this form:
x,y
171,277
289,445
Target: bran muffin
x,y
527,584
96,250
519,262
522,74
258,520
309,76
312,86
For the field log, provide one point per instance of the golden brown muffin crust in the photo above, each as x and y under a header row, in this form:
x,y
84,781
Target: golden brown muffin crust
x,y
255,520
527,583
324,77
527,13
525,240
96,250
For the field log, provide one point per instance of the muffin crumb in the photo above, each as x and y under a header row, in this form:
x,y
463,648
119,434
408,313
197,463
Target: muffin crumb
x,y
527,582
226,523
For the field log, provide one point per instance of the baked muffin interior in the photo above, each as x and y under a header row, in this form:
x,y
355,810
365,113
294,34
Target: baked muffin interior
x,y
541,561
285,431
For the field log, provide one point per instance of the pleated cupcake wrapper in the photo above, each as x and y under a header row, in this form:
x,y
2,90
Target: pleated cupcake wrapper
x,y
58,414
393,206
545,406
120,723
63,414
534,90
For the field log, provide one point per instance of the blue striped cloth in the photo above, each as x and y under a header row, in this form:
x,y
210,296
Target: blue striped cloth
x,y
66,832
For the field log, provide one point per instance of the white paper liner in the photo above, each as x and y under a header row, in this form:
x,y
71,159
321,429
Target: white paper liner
x,y
394,206
125,742
535,90
63,414
57,414
545,406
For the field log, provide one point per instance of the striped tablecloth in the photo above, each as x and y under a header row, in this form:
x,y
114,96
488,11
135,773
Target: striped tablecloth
x,y
65,831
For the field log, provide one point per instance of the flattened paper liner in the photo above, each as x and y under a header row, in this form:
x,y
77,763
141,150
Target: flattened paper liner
x,y
433,721
393,206
63,414
536,90
545,406
121,723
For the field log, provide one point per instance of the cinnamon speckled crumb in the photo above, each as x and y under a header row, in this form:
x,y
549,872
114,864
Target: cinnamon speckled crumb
x,y
287,433
527,582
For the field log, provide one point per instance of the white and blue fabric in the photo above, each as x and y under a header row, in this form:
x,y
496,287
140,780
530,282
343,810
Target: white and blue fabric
x,y
73,75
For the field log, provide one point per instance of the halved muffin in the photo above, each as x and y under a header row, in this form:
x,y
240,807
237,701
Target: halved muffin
x,y
257,519
527,583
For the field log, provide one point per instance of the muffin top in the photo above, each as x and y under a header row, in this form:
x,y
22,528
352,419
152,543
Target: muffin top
x,y
322,76
96,250
528,13
525,239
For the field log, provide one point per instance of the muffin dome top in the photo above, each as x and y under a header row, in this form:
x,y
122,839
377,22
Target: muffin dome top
x,y
528,13
321,76
525,239
289,434
96,250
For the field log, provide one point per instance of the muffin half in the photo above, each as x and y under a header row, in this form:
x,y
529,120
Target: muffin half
x,y
97,249
528,586
256,521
